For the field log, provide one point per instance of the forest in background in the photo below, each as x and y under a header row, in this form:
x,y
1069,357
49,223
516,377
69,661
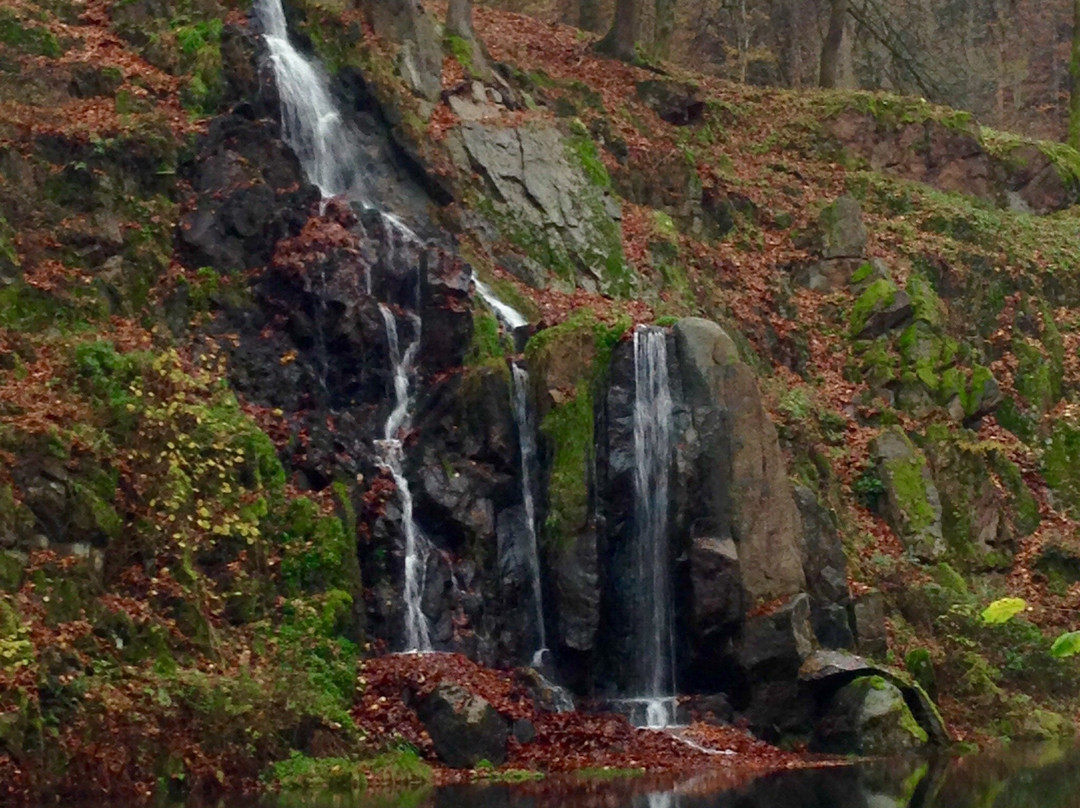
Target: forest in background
x,y
1007,61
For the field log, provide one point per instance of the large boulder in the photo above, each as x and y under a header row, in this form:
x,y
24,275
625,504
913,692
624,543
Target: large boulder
x,y
775,643
868,717
464,728
912,503
716,587
741,480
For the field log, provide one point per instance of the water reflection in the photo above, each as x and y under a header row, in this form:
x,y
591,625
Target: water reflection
x,y
1022,777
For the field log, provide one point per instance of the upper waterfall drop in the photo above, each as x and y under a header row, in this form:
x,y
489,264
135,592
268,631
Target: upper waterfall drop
x,y
310,120
654,447
327,149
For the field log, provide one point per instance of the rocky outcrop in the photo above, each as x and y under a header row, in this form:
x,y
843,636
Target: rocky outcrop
x,y
912,504
464,728
549,196
838,239
677,102
742,483
950,155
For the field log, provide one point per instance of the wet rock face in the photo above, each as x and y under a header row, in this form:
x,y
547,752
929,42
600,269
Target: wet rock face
x,y
251,192
464,728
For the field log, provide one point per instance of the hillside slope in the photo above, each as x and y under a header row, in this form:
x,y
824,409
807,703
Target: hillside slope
x,y
198,537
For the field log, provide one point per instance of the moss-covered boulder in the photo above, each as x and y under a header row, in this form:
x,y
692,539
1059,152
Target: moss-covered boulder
x,y
880,308
869,717
912,504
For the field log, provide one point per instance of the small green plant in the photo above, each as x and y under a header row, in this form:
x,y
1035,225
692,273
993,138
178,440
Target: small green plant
x,y
1003,610
869,488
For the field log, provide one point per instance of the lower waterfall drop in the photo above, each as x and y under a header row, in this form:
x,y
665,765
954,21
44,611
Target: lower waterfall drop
x,y
417,547
526,425
653,450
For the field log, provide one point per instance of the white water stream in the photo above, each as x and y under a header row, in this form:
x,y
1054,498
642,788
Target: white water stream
x,y
653,450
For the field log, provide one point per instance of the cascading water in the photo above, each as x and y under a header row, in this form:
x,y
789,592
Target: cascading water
x,y
326,147
507,315
653,449
523,417
417,547
311,123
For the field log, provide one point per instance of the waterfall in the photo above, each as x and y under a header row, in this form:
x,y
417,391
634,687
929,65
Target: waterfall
x,y
510,317
526,425
310,120
653,450
417,547
327,149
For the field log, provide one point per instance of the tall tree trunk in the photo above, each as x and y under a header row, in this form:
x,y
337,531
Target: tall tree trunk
x,y
460,26
621,39
830,48
589,15
1074,76
664,28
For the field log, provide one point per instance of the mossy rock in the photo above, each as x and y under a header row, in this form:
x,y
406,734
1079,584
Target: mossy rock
x,y
869,717
912,503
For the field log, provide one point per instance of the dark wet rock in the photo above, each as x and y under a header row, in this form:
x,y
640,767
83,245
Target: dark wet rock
x,y
251,192
711,708
677,102
524,731
464,728
716,583
774,644
825,566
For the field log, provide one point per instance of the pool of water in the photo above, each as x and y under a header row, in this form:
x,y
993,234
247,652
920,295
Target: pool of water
x,y
1028,777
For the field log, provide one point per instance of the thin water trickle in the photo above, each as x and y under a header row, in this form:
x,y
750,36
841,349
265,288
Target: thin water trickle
x,y
417,547
526,425
653,450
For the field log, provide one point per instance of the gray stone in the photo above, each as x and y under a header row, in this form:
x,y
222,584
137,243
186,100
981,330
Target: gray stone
x,y
464,728
777,642
842,233
825,567
538,187
912,503
868,618
677,102
744,480
868,717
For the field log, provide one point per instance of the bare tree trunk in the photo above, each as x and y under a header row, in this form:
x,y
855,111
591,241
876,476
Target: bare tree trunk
x,y
589,15
1074,76
459,25
664,28
620,41
830,48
